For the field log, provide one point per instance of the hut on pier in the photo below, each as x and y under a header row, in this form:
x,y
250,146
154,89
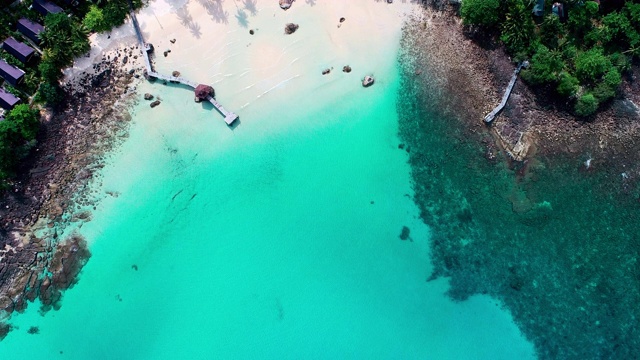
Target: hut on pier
x,y
203,92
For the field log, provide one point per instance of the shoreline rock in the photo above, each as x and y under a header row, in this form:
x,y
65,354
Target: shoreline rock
x,y
285,4
70,149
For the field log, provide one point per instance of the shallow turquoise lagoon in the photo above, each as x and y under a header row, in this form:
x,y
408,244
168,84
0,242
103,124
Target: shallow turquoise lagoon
x,y
276,240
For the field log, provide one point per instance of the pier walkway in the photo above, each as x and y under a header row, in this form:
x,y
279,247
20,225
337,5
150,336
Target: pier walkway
x,y
492,115
229,117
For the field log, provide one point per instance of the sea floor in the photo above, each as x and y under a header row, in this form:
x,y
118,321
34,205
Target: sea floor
x,y
277,239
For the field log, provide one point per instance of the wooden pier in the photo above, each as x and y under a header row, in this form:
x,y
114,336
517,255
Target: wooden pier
x,y
229,117
492,115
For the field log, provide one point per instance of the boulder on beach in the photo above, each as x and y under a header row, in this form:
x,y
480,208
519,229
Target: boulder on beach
x,y
175,73
202,92
367,81
285,4
290,28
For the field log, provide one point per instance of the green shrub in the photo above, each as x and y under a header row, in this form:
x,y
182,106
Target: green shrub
x,y
94,19
545,67
568,85
586,105
49,70
550,29
480,12
50,94
114,13
591,65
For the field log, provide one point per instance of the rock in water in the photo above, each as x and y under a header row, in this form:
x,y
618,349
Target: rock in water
x,y
155,103
326,71
346,69
368,81
148,96
285,4
290,28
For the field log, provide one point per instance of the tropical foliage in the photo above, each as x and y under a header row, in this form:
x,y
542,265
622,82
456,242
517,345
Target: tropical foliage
x,y
581,59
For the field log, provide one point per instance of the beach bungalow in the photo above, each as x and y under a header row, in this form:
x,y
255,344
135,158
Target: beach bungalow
x,y
8,100
557,9
45,7
19,50
538,9
30,29
11,74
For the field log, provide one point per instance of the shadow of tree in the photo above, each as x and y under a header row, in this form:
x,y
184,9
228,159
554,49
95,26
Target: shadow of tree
x,y
215,10
250,6
243,18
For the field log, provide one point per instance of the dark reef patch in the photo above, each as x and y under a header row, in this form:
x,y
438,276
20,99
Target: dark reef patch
x,y
560,247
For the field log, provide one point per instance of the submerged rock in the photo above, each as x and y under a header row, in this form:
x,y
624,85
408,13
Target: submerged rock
x,y
326,71
367,81
346,69
155,103
148,96
290,28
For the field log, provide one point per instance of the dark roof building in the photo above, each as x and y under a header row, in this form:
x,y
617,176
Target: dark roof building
x,y
30,29
8,100
538,9
21,51
10,73
45,7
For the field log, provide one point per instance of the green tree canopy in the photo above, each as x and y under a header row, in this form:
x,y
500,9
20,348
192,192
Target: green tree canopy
x,y
65,38
480,12
25,121
94,19
592,64
545,67
517,28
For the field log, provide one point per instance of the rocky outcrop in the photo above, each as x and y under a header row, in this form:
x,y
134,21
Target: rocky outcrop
x,y
367,81
70,144
285,4
290,28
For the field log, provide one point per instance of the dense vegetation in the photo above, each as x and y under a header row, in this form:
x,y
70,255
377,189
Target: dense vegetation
x,y
579,58
66,36
17,134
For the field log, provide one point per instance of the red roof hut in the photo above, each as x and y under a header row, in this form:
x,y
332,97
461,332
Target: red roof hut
x,y
203,92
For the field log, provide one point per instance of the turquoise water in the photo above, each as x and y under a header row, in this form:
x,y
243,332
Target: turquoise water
x,y
279,239
263,245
